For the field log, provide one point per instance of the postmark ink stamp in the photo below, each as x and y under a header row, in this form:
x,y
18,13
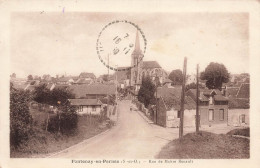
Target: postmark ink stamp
x,y
117,42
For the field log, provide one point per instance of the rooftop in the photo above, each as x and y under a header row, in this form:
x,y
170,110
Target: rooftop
x,y
78,102
151,64
92,89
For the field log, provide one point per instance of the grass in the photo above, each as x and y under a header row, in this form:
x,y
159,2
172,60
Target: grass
x,y
242,132
42,142
206,145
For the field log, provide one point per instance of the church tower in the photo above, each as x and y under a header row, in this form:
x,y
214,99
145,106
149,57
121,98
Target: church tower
x,y
136,63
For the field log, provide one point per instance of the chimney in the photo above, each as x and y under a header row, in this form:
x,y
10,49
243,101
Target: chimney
x,y
224,91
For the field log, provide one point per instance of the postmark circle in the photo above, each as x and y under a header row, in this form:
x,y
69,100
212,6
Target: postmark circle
x,y
117,41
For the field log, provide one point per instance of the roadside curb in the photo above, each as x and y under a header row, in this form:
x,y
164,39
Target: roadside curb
x,y
144,117
240,136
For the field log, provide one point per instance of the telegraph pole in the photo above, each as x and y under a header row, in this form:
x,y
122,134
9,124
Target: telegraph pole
x,y
197,102
182,98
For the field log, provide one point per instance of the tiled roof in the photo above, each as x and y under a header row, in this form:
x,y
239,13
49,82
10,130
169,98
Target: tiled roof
x,y
173,95
64,79
93,89
20,86
220,98
206,92
83,81
167,92
244,91
58,86
150,64
232,91
87,75
78,102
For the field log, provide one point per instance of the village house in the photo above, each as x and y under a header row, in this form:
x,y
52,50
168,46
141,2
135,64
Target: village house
x,y
87,76
167,112
213,107
65,81
239,105
87,106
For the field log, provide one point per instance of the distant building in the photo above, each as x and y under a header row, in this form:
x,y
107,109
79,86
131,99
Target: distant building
x,y
141,69
65,81
213,107
88,76
87,106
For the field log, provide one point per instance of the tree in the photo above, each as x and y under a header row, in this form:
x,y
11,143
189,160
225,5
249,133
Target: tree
x,y
41,94
146,92
215,75
60,94
13,75
176,77
105,77
20,118
29,77
192,86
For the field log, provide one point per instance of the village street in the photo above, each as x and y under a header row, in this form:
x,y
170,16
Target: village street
x,y
132,137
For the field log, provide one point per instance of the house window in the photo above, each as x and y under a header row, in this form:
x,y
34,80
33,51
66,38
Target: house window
x,y
94,108
80,108
221,114
243,118
179,114
211,114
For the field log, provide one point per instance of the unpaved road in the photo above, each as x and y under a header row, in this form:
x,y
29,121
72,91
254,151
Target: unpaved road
x,y
132,137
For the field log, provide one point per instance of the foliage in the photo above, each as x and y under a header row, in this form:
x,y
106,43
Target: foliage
x,y
20,118
192,86
176,77
43,95
146,92
30,77
13,75
105,77
215,75
66,120
67,116
60,94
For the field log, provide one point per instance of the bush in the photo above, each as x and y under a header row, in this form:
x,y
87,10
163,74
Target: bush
x,y
66,121
20,118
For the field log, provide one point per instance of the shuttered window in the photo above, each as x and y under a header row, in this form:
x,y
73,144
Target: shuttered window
x,y
211,114
221,114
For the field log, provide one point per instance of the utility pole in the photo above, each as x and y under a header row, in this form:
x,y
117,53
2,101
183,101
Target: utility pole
x,y
197,102
182,98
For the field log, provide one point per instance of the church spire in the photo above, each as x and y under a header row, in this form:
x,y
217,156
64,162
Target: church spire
x,y
137,43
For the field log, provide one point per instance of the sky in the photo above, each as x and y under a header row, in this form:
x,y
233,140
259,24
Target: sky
x,y
65,42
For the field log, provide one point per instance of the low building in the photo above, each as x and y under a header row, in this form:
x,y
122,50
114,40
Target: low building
x,y
87,106
65,81
93,91
213,107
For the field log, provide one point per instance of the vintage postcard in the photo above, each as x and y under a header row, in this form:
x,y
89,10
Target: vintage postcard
x,y
129,84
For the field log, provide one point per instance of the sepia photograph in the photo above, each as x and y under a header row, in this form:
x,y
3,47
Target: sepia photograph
x,y
124,85
129,87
